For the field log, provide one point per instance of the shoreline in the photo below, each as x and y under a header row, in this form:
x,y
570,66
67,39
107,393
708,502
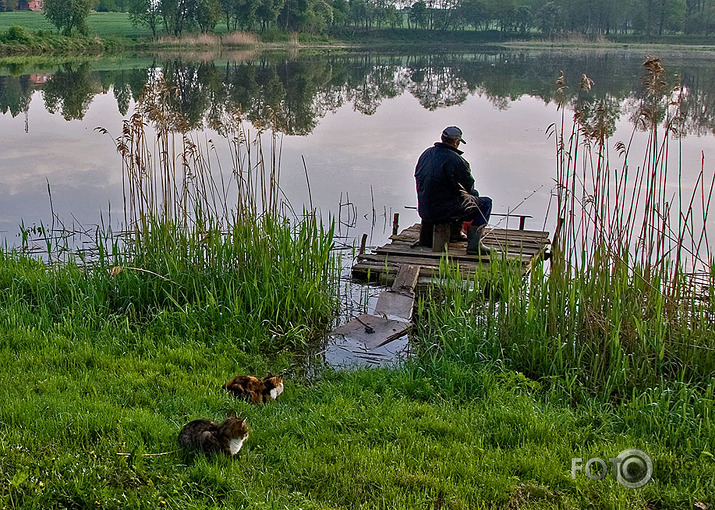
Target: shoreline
x,y
41,43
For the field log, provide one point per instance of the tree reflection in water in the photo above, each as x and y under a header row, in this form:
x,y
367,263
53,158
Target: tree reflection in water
x,y
292,95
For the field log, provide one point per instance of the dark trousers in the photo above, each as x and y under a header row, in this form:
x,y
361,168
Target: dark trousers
x,y
480,215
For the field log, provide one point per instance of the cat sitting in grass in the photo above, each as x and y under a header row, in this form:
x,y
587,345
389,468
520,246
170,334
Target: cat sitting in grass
x,y
209,437
255,390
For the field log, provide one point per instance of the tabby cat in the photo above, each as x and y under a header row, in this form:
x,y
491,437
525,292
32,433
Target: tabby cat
x,y
253,389
209,437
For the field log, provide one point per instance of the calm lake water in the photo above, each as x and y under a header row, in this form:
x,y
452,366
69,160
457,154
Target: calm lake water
x,y
358,121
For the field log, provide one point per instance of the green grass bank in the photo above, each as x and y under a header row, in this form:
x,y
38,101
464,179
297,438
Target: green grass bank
x,y
30,33
82,383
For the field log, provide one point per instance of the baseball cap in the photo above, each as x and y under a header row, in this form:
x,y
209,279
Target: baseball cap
x,y
454,133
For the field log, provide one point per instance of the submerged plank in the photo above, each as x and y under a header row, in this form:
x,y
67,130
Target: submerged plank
x,y
372,331
395,305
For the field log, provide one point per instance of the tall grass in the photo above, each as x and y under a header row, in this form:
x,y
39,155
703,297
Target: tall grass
x,y
619,313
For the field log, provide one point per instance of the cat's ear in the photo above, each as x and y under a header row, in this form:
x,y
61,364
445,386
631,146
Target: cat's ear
x,y
233,415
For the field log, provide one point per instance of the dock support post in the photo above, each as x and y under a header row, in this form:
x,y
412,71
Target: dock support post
x,y
362,244
522,221
395,223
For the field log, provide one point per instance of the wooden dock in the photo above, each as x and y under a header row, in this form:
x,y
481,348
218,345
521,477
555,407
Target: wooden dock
x,y
402,262
522,246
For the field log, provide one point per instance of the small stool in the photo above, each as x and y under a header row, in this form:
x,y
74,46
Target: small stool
x,y
436,236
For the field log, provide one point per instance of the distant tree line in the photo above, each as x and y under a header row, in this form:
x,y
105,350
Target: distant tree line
x,y
546,17
549,18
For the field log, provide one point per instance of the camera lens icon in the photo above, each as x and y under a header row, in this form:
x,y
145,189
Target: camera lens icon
x,y
634,468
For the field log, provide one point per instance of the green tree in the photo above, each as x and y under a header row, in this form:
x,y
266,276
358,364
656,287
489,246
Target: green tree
x,y
699,16
67,15
474,13
293,14
268,11
318,17
227,8
654,17
549,18
145,12
418,14
177,15
340,13
207,14
672,16
246,13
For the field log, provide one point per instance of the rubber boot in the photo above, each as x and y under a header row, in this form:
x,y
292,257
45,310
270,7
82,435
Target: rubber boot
x,y
474,241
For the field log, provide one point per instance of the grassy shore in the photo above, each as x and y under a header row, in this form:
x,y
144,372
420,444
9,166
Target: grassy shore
x,y
111,32
103,24
82,384
30,33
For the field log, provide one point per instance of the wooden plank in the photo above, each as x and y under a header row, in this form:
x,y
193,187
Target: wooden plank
x,y
406,278
373,331
379,272
395,305
494,238
424,259
458,251
491,238
522,235
413,231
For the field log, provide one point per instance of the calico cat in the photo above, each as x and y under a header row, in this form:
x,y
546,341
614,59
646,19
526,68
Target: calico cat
x,y
253,389
209,437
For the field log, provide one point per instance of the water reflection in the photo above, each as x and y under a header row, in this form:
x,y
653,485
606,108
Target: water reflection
x,y
291,96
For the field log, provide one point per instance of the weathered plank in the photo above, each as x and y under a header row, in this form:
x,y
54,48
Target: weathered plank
x,y
430,259
406,278
458,252
395,305
392,317
386,273
372,330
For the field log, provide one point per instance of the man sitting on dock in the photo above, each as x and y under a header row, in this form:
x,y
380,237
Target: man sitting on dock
x,y
446,193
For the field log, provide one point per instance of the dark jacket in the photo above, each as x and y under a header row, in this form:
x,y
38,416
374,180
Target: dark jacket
x,y
438,174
